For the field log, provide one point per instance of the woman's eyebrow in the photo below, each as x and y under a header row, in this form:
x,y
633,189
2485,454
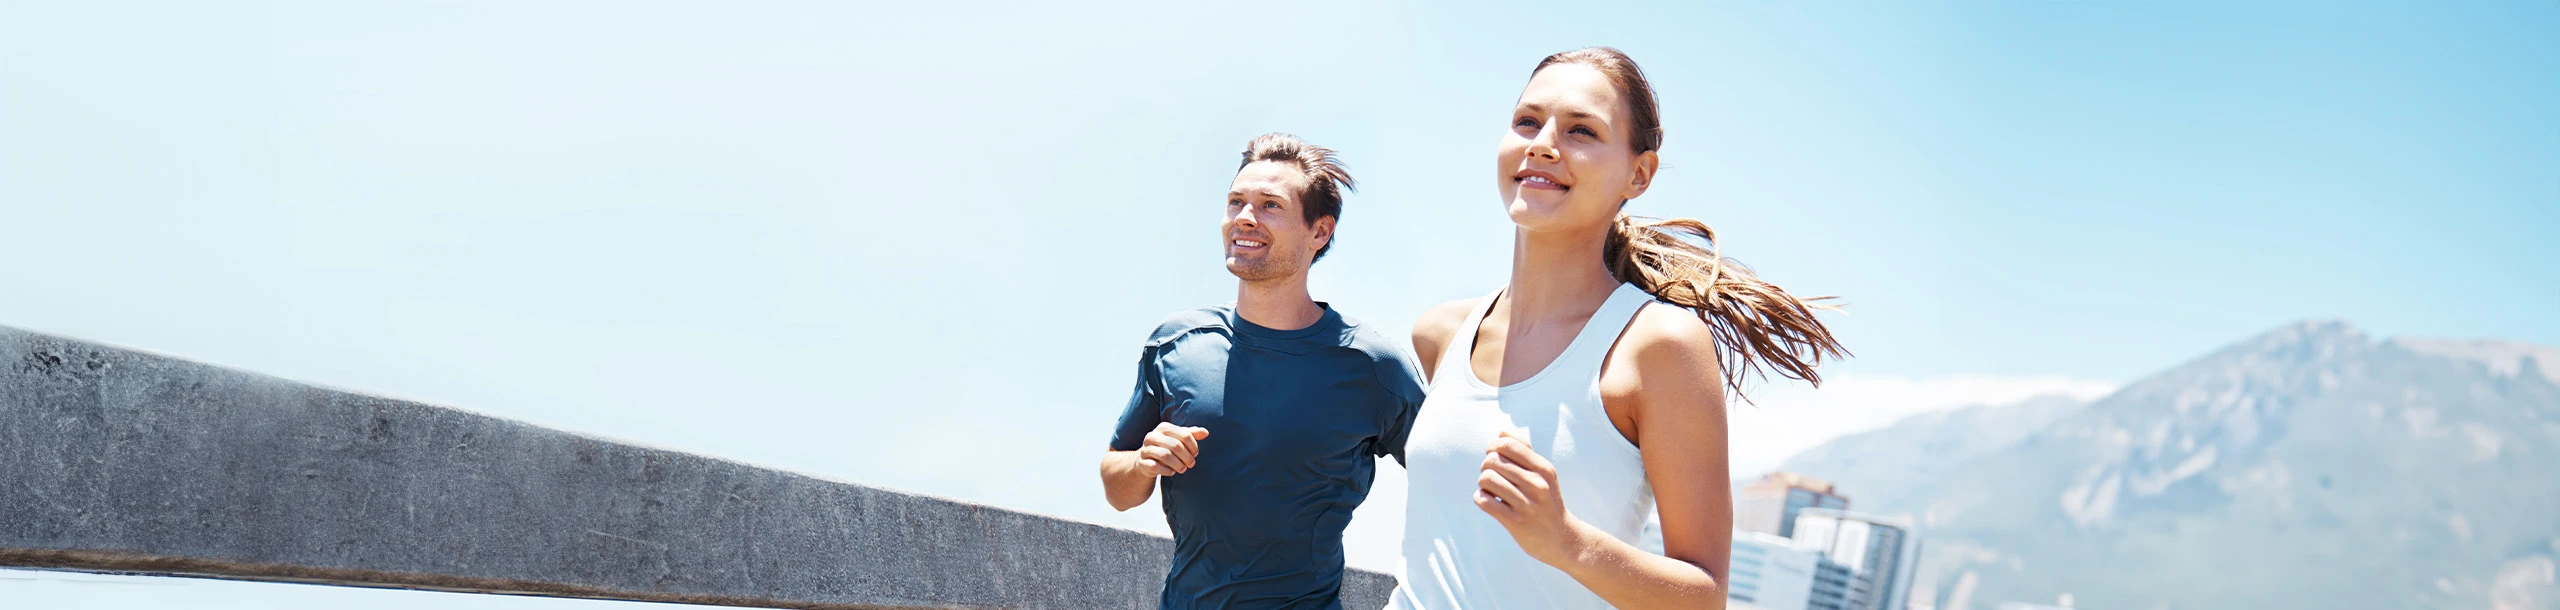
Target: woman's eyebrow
x,y
1571,114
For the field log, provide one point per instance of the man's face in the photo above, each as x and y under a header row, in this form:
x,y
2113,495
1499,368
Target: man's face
x,y
1266,233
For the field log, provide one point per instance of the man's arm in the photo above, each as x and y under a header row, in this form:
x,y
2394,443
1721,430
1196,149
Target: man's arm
x,y
1126,481
1400,380
1128,477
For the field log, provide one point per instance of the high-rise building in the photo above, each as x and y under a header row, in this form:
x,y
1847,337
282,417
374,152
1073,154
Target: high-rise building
x,y
1924,586
1835,587
1881,553
1769,572
1773,573
1770,505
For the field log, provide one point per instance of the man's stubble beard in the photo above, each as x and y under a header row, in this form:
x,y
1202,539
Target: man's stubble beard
x,y
1267,269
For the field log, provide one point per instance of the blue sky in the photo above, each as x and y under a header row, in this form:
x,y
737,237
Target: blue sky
x,y
833,238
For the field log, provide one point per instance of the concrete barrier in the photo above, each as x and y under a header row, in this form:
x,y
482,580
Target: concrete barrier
x,y
118,460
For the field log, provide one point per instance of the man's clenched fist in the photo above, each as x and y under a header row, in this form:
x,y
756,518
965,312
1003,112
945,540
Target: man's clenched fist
x,y
1171,449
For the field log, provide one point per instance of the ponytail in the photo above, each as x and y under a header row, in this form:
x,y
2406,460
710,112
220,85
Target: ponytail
x,y
1757,325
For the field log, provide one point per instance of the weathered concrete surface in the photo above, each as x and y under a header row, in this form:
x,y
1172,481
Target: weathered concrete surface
x,y
118,460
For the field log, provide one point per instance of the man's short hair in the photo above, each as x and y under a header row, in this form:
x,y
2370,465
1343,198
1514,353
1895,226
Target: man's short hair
x,y
1326,179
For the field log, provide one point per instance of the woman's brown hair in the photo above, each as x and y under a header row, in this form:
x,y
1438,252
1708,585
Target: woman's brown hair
x,y
1756,323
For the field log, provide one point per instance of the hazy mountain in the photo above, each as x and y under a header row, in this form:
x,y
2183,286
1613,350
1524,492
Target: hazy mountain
x,y
2308,467
1895,465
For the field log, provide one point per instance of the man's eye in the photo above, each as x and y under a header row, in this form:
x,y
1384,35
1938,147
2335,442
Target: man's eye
x,y
1525,122
1586,131
1234,202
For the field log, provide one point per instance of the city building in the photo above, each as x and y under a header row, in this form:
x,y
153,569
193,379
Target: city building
x,y
1770,505
1924,587
1882,554
1770,572
1835,587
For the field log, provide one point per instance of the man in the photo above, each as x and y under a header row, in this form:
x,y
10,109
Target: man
x,y
1264,419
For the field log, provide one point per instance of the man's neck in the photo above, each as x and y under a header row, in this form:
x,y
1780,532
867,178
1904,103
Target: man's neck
x,y
1280,304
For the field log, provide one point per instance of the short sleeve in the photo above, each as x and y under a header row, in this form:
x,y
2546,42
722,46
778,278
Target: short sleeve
x,y
1146,406
1404,392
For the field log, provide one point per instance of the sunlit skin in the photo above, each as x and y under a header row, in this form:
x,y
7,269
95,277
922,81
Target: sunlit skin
x,y
1564,168
1268,245
1268,242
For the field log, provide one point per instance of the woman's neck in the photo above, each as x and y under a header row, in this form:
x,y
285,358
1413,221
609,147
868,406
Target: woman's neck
x,y
1558,275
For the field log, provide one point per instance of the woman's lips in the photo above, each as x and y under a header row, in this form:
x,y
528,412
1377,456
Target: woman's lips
x,y
1538,180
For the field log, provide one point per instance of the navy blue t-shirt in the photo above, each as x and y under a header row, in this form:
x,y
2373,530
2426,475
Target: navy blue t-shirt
x,y
1296,420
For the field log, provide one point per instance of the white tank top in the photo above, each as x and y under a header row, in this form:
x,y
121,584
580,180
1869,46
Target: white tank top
x,y
1457,557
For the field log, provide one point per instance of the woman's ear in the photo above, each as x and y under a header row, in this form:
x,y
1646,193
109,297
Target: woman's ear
x,y
1646,163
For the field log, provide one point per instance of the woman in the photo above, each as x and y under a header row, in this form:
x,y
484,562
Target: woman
x,y
1567,405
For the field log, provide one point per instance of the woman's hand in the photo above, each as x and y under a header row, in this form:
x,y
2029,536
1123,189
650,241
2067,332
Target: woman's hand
x,y
1518,487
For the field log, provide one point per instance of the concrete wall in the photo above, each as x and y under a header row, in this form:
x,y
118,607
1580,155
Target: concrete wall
x,y
118,460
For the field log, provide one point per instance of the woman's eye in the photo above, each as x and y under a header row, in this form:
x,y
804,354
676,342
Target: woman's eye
x,y
1234,202
1525,122
1585,131
1267,205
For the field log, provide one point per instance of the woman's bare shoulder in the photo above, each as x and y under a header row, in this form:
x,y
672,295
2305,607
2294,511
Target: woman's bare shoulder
x,y
1666,352
1662,331
1437,327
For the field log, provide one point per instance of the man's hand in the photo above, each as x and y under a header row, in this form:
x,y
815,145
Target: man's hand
x,y
1128,477
1171,449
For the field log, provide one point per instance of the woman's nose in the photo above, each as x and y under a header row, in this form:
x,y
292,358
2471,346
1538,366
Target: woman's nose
x,y
1543,146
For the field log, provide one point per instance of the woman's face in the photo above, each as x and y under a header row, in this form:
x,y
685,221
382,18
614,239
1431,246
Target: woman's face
x,y
1566,164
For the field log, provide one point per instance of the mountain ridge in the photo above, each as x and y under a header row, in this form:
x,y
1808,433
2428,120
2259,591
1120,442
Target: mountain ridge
x,y
2306,466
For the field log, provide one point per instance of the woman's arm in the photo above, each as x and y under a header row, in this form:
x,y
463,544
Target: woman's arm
x,y
1663,377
